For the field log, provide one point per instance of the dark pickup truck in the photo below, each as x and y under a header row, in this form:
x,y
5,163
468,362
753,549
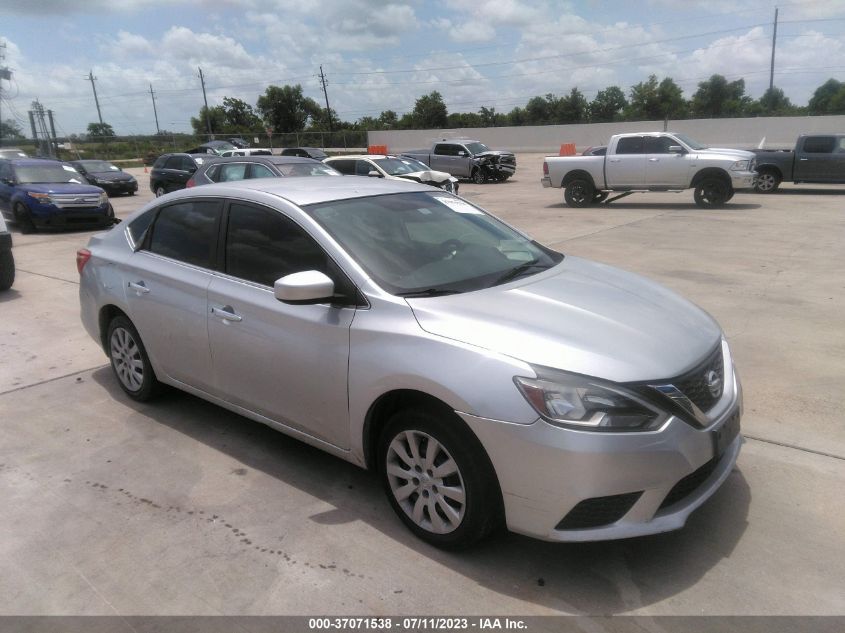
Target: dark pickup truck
x,y
817,158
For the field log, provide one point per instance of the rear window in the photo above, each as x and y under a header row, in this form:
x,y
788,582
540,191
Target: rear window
x,y
187,232
819,144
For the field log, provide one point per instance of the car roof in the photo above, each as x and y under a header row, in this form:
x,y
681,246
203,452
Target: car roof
x,y
32,162
360,156
273,160
303,190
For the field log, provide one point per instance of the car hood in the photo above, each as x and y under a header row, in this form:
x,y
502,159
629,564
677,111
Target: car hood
x,y
63,187
581,317
740,154
494,152
428,175
113,176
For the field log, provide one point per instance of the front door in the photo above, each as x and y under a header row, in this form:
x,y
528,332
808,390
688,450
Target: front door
x,y
664,168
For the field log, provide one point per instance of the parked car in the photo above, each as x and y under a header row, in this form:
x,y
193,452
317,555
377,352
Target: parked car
x,y
212,147
106,175
306,152
657,161
171,172
238,142
485,377
38,193
12,152
466,158
248,167
254,151
7,260
393,168
817,158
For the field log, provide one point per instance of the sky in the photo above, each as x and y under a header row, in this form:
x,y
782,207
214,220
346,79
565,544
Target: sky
x,y
383,55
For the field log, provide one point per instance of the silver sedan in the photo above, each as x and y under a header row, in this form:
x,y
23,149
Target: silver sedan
x,y
489,380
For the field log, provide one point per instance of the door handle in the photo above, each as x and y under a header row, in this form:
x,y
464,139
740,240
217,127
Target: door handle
x,y
227,314
139,287
654,160
803,159
615,160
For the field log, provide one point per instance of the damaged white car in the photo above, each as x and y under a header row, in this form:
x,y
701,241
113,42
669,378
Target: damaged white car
x,y
393,168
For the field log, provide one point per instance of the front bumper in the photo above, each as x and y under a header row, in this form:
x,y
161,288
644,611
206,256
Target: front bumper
x,y
122,186
743,180
547,474
546,181
49,216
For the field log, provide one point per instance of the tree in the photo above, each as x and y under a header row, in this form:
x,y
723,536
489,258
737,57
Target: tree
x,y
9,129
826,96
717,97
489,118
215,118
388,119
671,100
572,108
774,103
538,110
608,105
285,108
100,130
430,112
240,117
653,101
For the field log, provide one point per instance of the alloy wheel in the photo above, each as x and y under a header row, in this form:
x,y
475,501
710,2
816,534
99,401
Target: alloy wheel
x,y
126,358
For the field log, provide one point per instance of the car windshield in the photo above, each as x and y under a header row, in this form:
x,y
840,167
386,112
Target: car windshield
x,y
690,142
425,244
307,169
98,165
31,174
477,148
399,166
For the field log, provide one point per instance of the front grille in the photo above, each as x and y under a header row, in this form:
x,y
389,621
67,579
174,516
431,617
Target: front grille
x,y
75,201
693,384
689,484
598,511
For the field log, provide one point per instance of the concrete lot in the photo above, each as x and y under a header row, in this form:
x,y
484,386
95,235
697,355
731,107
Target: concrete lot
x,y
179,507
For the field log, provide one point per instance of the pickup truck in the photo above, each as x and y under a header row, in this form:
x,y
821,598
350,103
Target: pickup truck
x,y
817,158
658,161
464,158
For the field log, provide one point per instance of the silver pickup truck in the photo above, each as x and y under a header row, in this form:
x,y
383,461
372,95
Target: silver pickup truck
x,y
465,158
657,161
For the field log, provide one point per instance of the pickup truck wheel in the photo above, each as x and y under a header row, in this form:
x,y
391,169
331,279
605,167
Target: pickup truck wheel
x,y
767,181
579,193
711,193
478,176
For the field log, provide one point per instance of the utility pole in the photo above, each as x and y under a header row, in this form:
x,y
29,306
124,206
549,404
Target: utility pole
x,y
54,143
153,96
207,119
326,93
774,40
92,79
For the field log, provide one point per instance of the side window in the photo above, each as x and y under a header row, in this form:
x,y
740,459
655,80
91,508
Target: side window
x,y
139,225
232,171
187,231
445,149
188,164
819,144
658,144
363,167
213,173
260,171
630,145
174,162
263,245
345,167
841,147
160,161
6,171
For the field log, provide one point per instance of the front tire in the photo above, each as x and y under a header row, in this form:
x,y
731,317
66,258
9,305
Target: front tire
x,y
579,193
130,362
711,193
7,270
24,219
438,478
478,176
767,181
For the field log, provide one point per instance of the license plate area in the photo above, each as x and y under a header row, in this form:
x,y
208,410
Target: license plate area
x,y
725,434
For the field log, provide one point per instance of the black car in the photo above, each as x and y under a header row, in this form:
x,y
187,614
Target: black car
x,y
106,176
306,152
246,167
238,142
212,147
172,171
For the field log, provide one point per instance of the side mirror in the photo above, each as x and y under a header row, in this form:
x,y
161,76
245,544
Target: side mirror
x,y
308,286
676,149
462,153
375,174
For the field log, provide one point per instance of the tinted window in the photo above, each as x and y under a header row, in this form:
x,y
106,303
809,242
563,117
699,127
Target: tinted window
x,y
188,164
187,231
159,162
819,144
139,225
260,171
213,172
346,167
232,171
6,171
174,162
263,245
446,149
658,144
363,167
630,145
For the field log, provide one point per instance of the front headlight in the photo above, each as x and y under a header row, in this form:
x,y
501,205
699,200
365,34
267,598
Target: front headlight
x,y
740,165
588,404
43,198
104,198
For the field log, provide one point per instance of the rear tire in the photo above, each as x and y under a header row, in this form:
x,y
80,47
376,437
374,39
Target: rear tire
x,y
130,362
160,191
767,181
7,270
438,479
711,193
579,193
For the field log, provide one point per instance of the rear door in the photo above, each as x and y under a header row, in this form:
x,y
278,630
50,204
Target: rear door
x,y
819,161
625,167
166,284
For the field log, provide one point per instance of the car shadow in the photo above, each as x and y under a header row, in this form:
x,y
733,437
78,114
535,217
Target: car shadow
x,y
730,206
9,295
580,578
808,192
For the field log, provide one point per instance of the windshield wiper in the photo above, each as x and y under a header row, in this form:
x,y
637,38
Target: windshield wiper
x,y
428,292
513,273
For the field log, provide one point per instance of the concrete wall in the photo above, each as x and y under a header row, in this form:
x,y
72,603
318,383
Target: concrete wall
x,y
739,133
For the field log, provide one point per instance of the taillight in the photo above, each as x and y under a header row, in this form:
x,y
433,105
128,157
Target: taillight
x,y
191,183
545,168
82,257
